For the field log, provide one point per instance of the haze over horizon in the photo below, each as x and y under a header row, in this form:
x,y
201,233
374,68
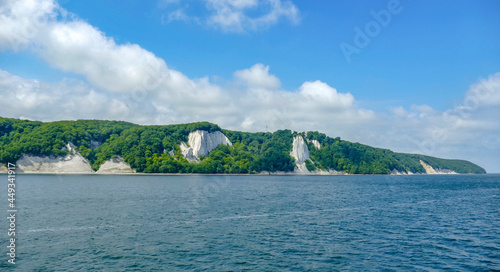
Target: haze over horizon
x,y
415,77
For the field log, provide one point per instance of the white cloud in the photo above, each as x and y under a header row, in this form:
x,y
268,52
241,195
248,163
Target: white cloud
x,y
78,47
22,21
322,94
485,92
235,16
232,15
258,76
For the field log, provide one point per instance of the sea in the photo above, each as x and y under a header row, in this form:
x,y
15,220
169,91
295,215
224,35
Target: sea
x,y
253,223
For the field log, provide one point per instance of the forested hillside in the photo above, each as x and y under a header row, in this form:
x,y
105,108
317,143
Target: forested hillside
x,y
156,149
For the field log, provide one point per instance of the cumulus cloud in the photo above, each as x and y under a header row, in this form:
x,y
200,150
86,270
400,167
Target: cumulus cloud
x,y
81,48
78,47
22,21
322,94
484,92
257,77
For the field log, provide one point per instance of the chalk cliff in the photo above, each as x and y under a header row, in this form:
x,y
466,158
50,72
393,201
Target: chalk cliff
x,y
300,153
396,172
72,163
3,168
201,142
115,165
316,144
431,171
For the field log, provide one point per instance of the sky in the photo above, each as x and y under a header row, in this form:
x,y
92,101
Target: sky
x,y
411,76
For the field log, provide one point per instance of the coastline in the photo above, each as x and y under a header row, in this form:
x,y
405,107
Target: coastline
x,y
223,174
75,164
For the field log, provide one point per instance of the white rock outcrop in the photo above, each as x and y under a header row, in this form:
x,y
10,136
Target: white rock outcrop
x,y
3,168
201,142
72,163
316,144
70,147
431,171
187,152
115,165
300,153
396,172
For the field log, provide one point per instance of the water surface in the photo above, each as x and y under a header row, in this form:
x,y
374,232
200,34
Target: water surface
x,y
255,223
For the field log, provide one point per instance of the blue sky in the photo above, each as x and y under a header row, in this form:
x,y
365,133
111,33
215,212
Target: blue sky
x,y
248,64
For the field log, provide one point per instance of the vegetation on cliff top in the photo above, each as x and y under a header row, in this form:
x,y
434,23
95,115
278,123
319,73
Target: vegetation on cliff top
x,y
147,149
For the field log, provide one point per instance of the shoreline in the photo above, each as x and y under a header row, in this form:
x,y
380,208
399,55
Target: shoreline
x,y
219,174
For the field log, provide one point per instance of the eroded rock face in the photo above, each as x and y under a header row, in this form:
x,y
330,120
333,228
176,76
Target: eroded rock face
x,y
3,168
70,147
187,152
300,153
115,165
316,144
396,172
74,163
431,171
201,142
71,163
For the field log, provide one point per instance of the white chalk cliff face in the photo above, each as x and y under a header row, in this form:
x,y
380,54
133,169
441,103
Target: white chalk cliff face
x,y
300,153
396,172
316,144
431,171
71,163
70,147
201,142
115,165
68,164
